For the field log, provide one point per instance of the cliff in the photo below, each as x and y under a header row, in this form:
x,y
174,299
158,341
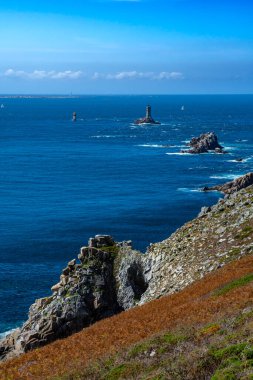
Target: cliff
x,y
111,277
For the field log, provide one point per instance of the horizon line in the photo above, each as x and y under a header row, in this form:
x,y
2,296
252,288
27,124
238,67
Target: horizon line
x,y
41,95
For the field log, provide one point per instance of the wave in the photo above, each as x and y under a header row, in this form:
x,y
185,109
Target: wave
x,y
241,160
187,190
111,136
185,141
179,154
230,147
104,137
154,146
226,176
4,334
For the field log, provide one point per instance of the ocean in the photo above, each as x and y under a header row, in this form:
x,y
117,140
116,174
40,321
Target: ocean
x,y
63,182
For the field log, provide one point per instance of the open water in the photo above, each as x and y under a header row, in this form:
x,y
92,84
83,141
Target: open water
x,y
62,182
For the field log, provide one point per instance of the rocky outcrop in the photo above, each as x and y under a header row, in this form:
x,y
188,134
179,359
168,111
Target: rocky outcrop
x,y
233,186
85,293
108,279
204,143
112,277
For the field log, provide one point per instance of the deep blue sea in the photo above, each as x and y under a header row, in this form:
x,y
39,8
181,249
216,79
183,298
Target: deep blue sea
x,y
62,182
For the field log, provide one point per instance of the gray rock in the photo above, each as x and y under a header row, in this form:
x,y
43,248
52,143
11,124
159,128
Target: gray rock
x,y
204,143
85,294
204,211
233,186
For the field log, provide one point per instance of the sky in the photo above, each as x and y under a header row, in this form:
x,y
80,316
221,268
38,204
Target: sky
x,y
126,47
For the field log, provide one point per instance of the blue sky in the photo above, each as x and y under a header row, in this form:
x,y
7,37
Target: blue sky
x,y
126,47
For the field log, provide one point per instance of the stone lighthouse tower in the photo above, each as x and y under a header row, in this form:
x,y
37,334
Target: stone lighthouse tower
x,y
147,119
148,113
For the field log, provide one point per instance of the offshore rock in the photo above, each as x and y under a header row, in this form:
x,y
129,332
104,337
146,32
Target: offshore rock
x,y
148,119
233,186
204,143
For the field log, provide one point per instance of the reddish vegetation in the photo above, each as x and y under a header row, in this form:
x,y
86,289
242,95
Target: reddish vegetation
x,y
195,304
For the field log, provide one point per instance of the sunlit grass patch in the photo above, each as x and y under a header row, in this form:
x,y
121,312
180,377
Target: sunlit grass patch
x,y
233,284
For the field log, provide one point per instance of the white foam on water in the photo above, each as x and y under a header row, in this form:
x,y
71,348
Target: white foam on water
x,y
230,147
187,190
243,160
103,136
179,154
4,334
226,176
153,146
110,136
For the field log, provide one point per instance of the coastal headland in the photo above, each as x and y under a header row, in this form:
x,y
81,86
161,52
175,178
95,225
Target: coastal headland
x,y
112,277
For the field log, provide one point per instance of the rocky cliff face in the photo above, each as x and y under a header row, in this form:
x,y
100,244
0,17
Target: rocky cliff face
x,y
111,277
220,234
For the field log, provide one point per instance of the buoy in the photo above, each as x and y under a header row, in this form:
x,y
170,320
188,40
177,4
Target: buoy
x,y
74,116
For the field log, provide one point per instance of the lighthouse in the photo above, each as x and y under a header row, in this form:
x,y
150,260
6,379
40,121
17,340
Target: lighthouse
x,y
147,119
148,112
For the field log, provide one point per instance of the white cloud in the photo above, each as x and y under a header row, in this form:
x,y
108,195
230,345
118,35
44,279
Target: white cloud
x,y
69,74
169,75
42,74
128,74
164,75
97,75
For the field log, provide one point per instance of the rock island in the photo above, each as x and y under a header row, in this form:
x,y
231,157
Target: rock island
x,y
147,119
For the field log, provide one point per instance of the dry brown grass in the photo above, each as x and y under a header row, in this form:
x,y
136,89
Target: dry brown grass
x,y
196,304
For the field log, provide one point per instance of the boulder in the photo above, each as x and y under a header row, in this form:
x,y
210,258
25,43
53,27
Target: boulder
x,y
204,143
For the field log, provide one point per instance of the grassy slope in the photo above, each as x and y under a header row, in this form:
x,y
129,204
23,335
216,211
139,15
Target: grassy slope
x,y
206,312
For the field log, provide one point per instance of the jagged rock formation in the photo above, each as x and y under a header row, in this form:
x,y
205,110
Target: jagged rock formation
x,y
85,294
112,277
233,186
204,143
